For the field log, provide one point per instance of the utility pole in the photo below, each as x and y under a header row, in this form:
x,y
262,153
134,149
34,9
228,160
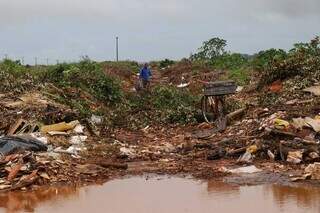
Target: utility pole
x,y
117,48
35,61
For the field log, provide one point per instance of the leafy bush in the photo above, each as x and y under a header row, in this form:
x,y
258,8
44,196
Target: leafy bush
x,y
163,104
264,58
174,105
15,77
303,60
89,76
230,61
165,63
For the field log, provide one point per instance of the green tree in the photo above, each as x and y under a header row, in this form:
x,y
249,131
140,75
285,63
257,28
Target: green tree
x,y
264,58
210,49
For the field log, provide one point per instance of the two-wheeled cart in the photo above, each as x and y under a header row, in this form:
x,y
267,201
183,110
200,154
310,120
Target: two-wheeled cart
x,y
213,101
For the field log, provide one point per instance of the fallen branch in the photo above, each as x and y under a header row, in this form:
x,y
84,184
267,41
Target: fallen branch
x,y
236,113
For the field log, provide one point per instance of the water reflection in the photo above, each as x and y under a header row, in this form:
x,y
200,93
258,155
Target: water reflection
x,y
214,187
163,195
14,202
302,196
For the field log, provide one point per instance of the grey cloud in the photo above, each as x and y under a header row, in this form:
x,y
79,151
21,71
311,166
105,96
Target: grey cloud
x,y
151,29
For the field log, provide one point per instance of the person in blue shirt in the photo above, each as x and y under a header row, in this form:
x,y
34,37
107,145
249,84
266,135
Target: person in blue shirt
x,y
145,75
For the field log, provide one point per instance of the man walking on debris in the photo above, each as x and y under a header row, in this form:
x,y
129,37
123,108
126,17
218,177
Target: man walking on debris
x,y
145,75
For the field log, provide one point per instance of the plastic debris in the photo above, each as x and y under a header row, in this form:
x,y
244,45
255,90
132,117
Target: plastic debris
x,y
252,149
247,169
239,89
78,140
53,133
95,119
245,158
314,90
248,155
59,127
271,155
314,123
10,144
127,152
79,129
183,85
295,157
313,170
281,124
299,123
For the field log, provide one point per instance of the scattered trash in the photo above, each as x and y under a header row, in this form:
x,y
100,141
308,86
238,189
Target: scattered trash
x,y
59,127
79,129
252,149
39,137
313,170
95,119
239,89
53,133
183,85
299,123
281,124
246,158
295,157
127,153
314,90
271,155
78,140
246,169
314,123
11,144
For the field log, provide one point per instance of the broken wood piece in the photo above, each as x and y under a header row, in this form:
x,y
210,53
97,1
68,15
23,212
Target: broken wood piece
x,y
27,181
14,171
236,113
280,132
18,125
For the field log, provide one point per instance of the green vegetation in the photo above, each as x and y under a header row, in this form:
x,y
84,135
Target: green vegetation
x,y
273,64
264,59
210,49
163,105
92,87
303,61
174,105
213,53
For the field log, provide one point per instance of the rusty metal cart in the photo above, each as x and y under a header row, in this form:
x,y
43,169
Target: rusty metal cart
x,y
212,103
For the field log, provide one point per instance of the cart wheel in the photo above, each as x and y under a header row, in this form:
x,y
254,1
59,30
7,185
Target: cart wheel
x,y
212,109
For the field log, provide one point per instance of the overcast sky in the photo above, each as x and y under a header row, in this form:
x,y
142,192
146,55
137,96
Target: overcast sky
x,y
150,29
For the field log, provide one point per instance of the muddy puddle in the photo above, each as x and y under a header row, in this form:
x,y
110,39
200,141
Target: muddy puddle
x,y
163,194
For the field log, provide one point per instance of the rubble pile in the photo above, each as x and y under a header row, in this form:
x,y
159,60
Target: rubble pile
x,y
41,144
72,135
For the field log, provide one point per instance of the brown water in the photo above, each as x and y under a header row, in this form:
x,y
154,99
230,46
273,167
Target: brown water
x,y
165,195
